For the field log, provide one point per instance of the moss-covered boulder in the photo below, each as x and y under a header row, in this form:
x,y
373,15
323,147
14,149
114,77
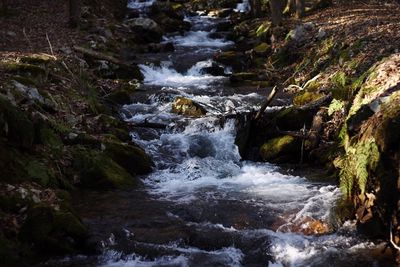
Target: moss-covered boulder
x,y
280,147
53,232
293,118
99,171
306,97
188,107
130,157
231,58
122,95
22,68
15,125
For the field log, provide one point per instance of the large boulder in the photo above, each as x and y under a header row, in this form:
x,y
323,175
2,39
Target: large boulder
x,y
146,28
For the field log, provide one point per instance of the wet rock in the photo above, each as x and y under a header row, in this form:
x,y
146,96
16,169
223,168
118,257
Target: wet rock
x,y
108,70
132,158
201,146
223,26
231,58
160,48
147,28
308,226
97,170
243,76
278,147
221,13
169,24
188,107
122,95
214,69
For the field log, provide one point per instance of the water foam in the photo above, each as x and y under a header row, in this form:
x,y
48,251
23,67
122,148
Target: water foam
x,y
138,4
243,7
165,75
228,256
198,39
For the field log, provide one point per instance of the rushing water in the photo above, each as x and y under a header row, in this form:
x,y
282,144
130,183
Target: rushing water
x,y
203,205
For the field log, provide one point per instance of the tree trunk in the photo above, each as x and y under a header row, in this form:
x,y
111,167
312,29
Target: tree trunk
x,y
255,6
74,12
4,7
276,12
300,8
290,7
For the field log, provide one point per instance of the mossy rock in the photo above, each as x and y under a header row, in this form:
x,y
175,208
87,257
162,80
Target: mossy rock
x,y
120,96
83,139
231,58
109,121
306,97
53,232
50,138
283,146
22,68
122,134
130,157
293,118
38,59
129,72
99,171
188,107
15,125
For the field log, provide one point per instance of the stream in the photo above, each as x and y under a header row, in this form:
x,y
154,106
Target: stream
x,y
203,205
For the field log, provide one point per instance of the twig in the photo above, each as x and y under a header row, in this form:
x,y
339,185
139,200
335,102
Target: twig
x,y
303,131
391,238
267,102
51,47
27,38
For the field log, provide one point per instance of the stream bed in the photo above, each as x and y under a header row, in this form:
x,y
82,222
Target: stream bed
x,y
203,205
